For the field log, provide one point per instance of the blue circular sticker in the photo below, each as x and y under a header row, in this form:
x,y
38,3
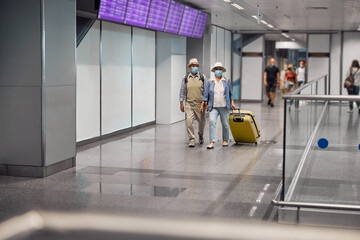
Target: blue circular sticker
x,y
323,143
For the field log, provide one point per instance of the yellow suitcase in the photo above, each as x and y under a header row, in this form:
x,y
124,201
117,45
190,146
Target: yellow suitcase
x,y
244,127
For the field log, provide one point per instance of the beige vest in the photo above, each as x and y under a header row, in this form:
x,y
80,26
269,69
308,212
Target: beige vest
x,y
195,91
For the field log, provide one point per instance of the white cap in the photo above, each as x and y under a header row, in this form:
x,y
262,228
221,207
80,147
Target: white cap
x,y
193,61
218,65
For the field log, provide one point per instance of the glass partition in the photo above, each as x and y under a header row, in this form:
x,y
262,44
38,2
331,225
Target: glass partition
x,y
321,147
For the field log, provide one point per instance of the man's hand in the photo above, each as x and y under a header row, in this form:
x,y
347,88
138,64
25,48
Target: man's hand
x,y
278,84
207,107
202,108
265,83
233,106
182,107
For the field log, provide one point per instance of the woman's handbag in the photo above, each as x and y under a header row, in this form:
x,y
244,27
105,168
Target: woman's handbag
x,y
349,81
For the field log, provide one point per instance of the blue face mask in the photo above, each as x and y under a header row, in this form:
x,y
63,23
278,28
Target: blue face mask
x,y
273,64
195,70
218,73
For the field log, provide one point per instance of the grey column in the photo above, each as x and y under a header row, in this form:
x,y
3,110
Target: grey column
x,y
37,87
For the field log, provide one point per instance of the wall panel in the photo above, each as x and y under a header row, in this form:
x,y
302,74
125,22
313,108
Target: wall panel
x,y
116,77
88,85
252,71
143,76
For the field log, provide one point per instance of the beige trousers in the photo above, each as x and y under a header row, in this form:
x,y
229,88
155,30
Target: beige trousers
x,y
193,113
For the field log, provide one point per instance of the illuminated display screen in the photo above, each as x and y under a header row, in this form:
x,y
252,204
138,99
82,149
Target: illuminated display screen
x,y
137,12
157,14
188,21
162,15
174,17
200,25
113,10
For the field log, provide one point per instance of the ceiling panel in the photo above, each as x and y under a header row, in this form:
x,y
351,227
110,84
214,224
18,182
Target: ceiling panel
x,y
284,14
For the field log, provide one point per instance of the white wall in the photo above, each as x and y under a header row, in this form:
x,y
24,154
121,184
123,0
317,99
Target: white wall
x,y
143,76
171,65
289,45
221,49
117,80
116,77
88,85
335,59
318,66
228,50
351,51
252,72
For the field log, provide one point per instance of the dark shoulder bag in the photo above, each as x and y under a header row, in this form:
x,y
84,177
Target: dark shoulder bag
x,y
349,81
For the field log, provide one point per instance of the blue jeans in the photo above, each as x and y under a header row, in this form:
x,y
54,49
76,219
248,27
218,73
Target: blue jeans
x,y
224,118
354,91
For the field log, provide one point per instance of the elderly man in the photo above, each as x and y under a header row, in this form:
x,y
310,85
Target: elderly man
x,y
192,91
271,81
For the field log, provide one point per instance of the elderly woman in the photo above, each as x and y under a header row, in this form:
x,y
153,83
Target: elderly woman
x,y
218,95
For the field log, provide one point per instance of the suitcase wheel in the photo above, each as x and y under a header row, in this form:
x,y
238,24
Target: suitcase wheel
x,y
256,144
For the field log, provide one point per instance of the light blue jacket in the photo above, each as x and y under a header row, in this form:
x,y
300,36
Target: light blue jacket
x,y
209,92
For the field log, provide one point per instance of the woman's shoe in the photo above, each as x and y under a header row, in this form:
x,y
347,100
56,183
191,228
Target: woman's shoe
x,y
225,143
210,146
350,111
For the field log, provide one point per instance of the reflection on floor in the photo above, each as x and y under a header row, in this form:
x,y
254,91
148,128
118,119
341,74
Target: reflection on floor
x,y
152,171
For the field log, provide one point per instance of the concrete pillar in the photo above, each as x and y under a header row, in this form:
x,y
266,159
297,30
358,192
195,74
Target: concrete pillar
x,y
37,87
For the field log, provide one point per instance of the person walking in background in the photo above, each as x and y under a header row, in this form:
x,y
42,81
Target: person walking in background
x,y
354,72
282,77
218,95
290,80
301,75
271,81
192,91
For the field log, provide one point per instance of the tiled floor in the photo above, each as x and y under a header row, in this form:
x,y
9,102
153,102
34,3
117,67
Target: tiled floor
x,y
152,171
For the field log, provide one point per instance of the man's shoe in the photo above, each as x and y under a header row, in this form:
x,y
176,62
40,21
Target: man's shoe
x,y
271,105
225,144
201,139
359,110
269,102
350,111
192,143
210,146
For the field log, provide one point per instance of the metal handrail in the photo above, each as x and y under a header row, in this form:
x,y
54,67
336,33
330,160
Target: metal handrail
x,y
341,207
322,97
64,225
296,91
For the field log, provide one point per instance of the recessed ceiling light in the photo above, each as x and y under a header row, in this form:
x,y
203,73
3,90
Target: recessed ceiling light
x,y
270,26
237,6
264,22
228,1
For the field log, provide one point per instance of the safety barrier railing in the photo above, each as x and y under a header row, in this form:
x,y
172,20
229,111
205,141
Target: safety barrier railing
x,y
314,122
46,225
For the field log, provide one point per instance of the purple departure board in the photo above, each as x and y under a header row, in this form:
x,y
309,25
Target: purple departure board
x,y
157,14
113,10
188,21
200,25
137,12
174,17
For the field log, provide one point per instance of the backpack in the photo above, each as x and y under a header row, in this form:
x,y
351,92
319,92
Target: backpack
x,y
349,81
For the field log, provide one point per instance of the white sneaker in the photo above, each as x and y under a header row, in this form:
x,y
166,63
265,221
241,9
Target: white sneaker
x,y
350,111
